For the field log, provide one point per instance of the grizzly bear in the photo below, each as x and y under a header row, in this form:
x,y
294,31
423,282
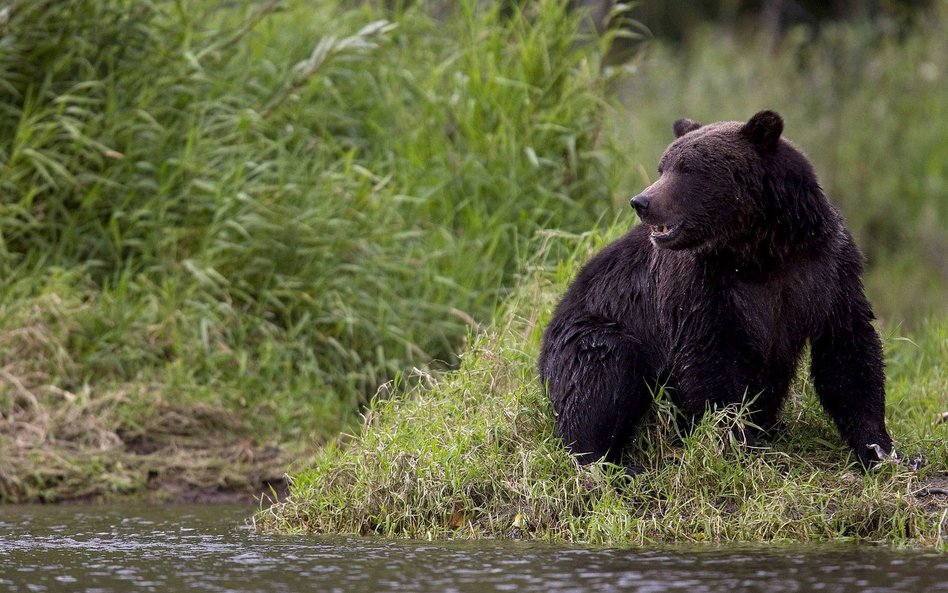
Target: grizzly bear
x,y
738,263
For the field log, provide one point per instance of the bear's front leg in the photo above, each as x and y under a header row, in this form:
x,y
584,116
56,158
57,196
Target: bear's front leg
x,y
597,379
847,366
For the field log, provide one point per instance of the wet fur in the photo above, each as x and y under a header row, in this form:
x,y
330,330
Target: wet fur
x,y
763,266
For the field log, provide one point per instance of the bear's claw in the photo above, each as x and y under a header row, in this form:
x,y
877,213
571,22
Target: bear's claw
x,y
882,457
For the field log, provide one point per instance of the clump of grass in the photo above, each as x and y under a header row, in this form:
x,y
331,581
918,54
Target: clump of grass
x,y
471,454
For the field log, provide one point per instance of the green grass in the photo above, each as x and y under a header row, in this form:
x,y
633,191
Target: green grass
x,y
471,454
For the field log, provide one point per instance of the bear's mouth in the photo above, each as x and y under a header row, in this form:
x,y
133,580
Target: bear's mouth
x,y
663,231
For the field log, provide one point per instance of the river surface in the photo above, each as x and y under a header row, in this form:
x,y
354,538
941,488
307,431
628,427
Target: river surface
x,y
105,549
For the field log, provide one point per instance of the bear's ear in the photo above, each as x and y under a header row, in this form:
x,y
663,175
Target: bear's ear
x,y
763,130
685,125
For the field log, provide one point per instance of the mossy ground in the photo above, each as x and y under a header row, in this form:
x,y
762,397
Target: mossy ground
x,y
471,454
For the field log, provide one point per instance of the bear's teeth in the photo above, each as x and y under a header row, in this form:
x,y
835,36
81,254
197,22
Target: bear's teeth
x,y
659,230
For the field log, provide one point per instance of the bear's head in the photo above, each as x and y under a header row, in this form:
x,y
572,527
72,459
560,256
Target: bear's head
x,y
712,181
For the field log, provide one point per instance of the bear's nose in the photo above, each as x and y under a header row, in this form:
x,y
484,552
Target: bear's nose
x,y
640,203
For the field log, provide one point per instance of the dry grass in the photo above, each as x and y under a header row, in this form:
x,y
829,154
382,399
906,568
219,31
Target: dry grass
x,y
126,439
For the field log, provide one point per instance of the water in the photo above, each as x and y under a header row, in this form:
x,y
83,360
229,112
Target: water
x,y
210,548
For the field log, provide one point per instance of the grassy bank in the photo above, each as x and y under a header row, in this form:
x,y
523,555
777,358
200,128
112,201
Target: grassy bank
x,y
471,454
225,224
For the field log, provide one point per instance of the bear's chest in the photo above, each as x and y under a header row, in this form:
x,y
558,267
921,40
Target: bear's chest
x,y
765,317
777,315
760,313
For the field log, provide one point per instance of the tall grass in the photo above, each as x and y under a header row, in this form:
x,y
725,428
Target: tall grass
x,y
274,207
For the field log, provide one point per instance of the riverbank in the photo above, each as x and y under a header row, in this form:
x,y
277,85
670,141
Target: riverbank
x,y
66,447
224,225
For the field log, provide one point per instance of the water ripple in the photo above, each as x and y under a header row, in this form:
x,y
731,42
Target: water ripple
x,y
209,549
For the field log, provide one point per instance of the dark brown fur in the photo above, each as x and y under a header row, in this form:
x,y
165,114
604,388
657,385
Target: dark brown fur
x,y
757,264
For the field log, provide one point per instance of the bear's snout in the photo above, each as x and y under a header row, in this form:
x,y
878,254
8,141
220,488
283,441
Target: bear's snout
x,y
640,203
